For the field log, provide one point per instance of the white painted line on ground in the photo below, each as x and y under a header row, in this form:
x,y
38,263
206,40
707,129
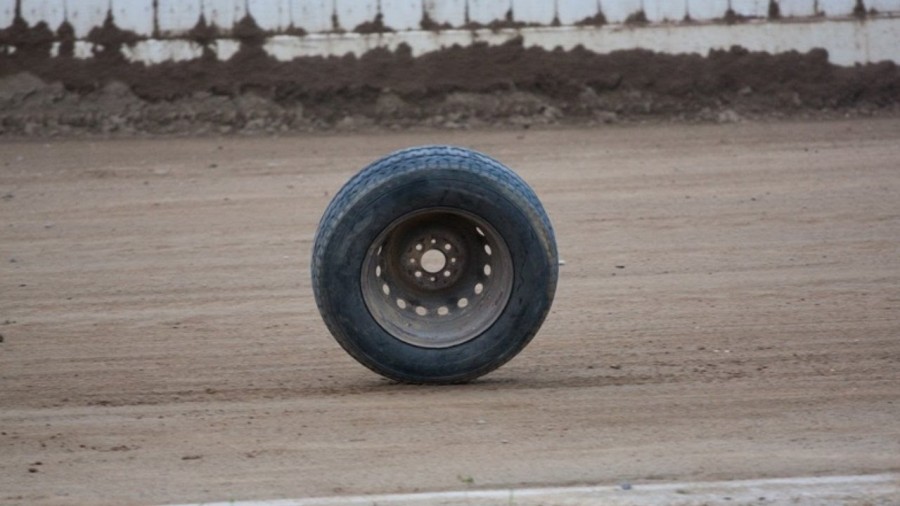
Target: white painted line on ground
x,y
880,489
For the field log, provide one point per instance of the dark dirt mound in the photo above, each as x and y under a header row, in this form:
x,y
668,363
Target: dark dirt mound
x,y
455,87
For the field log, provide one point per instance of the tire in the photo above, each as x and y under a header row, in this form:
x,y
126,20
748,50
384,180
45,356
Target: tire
x,y
435,264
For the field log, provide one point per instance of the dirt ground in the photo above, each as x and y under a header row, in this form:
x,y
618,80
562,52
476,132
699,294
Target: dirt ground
x,y
473,87
729,308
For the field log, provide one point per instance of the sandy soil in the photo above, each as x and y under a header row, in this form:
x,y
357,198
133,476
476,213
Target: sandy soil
x,y
729,309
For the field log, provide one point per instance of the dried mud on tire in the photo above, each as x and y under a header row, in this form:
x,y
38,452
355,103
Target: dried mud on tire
x,y
457,87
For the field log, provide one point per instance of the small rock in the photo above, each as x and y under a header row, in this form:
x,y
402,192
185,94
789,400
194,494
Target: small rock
x,y
346,123
606,117
390,105
19,86
562,262
588,97
192,457
625,486
728,116
551,113
116,89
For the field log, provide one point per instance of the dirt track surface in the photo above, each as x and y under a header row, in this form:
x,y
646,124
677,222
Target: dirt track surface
x,y
729,308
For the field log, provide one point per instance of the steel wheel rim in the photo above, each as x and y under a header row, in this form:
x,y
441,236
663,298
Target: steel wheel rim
x,y
437,277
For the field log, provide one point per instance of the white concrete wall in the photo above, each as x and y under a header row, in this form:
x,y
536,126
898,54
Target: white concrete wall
x,y
884,5
175,17
271,15
617,11
329,24
750,8
83,15
541,12
847,41
51,12
134,15
402,14
836,7
486,12
450,12
312,15
660,11
352,13
706,10
570,13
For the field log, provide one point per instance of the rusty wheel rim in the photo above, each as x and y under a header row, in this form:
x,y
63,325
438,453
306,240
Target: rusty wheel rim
x,y
437,277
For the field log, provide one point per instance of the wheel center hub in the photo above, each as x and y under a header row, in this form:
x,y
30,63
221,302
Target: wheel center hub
x,y
434,260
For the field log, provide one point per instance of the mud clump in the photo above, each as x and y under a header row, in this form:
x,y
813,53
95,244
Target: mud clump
x,y
457,87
